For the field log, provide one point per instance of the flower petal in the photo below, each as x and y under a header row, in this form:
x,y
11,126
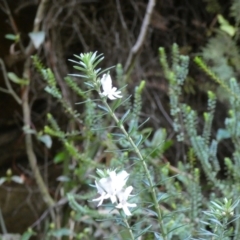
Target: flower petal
x,y
126,211
108,90
100,199
106,82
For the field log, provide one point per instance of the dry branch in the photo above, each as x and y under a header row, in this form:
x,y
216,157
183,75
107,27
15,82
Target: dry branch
x,y
136,49
27,113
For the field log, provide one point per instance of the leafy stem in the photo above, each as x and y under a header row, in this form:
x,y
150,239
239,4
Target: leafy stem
x,y
137,151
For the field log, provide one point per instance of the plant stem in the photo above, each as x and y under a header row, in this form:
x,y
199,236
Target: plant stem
x,y
8,84
2,223
13,24
129,228
150,181
29,148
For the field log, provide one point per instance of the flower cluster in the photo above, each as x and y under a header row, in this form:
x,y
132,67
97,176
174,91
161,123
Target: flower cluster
x,y
112,186
108,90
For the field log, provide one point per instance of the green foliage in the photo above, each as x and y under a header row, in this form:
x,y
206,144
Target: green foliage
x,y
52,88
189,201
222,52
205,148
213,6
176,75
219,218
174,199
198,198
234,11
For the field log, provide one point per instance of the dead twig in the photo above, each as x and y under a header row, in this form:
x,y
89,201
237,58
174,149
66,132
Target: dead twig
x,y
136,49
27,114
9,89
13,24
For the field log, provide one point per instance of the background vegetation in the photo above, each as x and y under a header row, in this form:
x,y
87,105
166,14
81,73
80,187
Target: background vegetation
x,y
186,52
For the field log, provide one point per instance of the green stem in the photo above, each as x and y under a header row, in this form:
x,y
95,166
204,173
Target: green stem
x,y
129,228
150,181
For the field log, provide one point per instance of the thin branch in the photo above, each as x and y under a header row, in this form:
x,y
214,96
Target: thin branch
x,y
13,24
27,114
37,22
8,84
124,25
161,108
2,223
136,49
4,90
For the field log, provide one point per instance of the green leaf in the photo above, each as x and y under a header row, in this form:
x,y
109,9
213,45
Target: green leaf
x,y
105,70
14,78
27,235
223,134
89,85
162,196
103,108
225,26
145,230
53,91
60,157
78,75
139,140
143,122
12,37
79,68
46,139
159,136
118,102
125,116
61,232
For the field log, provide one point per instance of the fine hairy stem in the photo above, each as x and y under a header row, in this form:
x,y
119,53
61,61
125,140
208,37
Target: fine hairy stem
x,y
150,181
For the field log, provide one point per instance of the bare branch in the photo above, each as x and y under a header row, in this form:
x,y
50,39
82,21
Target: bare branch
x,y
141,38
8,84
27,113
13,24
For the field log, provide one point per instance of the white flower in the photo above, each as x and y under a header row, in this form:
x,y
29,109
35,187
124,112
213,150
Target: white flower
x,y
103,196
108,187
108,90
118,180
123,197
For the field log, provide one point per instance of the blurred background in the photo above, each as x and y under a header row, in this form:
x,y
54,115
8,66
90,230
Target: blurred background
x,y
111,27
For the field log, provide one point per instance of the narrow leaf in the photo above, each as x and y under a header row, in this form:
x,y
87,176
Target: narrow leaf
x,y
12,37
103,108
125,116
143,231
139,140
